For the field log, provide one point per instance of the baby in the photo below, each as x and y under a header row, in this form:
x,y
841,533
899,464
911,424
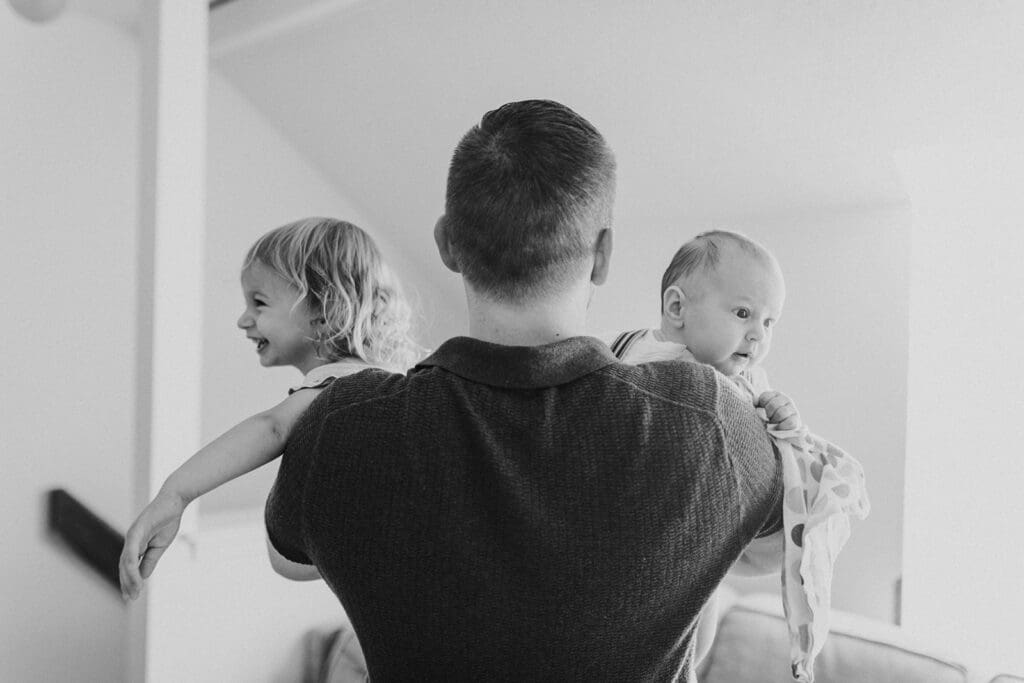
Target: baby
x,y
722,295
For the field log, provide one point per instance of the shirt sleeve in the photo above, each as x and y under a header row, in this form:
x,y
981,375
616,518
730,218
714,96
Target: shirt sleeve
x,y
286,504
756,464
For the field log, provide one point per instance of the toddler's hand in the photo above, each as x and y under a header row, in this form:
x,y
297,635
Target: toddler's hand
x,y
779,410
147,539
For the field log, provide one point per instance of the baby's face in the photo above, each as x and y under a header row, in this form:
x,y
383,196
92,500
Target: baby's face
x,y
728,321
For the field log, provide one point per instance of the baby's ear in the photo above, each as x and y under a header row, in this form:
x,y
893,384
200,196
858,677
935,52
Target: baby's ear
x,y
673,303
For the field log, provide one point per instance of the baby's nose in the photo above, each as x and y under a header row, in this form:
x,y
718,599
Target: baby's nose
x,y
244,321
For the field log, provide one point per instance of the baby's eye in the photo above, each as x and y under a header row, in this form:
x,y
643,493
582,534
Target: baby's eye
x,y
742,313
259,302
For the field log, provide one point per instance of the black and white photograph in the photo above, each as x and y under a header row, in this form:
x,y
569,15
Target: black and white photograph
x,y
547,340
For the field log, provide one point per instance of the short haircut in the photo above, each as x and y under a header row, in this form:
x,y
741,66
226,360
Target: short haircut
x,y
703,253
529,188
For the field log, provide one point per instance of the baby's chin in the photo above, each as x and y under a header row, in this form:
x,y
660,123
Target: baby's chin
x,y
732,367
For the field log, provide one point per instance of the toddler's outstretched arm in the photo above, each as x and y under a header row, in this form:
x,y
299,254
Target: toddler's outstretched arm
x,y
246,446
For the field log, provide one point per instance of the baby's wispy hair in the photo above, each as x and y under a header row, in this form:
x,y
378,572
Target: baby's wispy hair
x,y
703,253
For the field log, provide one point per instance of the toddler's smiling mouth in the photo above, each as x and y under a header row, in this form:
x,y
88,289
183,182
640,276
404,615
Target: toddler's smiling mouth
x,y
260,342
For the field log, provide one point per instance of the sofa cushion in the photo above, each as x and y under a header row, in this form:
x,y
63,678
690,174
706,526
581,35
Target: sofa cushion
x,y
752,645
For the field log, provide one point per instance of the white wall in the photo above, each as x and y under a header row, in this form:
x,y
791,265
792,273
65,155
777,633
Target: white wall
x,y
964,509
68,139
840,351
231,617
256,182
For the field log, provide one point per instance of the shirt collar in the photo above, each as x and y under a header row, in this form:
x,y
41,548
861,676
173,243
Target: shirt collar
x,y
521,367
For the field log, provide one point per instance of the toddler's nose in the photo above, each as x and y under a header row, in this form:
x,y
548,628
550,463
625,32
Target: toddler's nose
x,y
244,321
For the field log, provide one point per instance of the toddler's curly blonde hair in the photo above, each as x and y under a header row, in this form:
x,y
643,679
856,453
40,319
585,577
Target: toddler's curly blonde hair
x,y
357,303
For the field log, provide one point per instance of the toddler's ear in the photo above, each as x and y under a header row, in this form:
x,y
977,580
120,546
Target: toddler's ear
x,y
673,303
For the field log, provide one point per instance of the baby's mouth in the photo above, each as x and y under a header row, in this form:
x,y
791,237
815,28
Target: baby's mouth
x,y
260,343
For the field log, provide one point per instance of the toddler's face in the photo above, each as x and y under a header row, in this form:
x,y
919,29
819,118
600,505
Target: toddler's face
x,y
281,330
728,322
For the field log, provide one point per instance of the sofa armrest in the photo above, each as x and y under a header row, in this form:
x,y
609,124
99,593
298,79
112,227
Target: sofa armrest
x,y
753,645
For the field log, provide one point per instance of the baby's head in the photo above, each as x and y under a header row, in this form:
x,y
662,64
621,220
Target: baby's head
x,y
721,296
318,291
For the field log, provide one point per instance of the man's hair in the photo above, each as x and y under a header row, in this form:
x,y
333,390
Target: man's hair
x,y
703,253
529,188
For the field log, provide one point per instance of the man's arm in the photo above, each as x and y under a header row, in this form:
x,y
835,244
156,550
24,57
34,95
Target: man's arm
x,y
756,464
286,510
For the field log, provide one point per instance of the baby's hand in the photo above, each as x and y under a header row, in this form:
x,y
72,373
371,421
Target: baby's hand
x,y
779,410
147,539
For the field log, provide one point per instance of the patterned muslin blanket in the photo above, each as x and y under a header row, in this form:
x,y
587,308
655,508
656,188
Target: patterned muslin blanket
x,y
824,487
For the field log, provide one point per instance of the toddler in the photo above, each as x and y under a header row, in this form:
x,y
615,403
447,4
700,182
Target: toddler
x,y
318,297
722,295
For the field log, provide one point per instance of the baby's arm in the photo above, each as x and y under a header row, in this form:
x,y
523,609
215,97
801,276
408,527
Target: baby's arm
x,y
246,446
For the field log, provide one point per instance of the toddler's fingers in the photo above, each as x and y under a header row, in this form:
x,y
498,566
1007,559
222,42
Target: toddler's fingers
x,y
128,566
130,580
127,572
150,559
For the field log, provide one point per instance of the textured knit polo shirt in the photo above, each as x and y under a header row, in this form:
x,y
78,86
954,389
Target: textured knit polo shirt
x,y
525,513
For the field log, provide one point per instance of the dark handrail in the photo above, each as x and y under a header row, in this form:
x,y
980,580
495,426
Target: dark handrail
x,y
92,539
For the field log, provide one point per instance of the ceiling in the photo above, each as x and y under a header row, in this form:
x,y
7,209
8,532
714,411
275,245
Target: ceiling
x,y
714,109
711,107
122,12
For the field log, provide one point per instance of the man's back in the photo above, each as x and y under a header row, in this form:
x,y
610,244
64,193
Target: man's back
x,y
525,513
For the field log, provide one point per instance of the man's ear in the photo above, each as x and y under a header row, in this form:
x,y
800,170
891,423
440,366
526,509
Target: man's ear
x,y
444,245
602,257
673,305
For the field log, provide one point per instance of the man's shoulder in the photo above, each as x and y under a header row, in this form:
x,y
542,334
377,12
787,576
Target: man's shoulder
x,y
680,382
368,385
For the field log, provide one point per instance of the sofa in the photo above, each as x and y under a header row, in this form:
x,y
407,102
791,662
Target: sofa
x,y
751,646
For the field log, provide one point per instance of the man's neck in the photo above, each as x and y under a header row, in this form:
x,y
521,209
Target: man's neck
x,y
531,323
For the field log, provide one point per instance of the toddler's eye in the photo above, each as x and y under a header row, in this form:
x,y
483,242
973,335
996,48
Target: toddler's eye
x,y
742,313
259,302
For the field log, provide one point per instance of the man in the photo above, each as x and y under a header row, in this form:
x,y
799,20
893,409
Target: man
x,y
521,506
